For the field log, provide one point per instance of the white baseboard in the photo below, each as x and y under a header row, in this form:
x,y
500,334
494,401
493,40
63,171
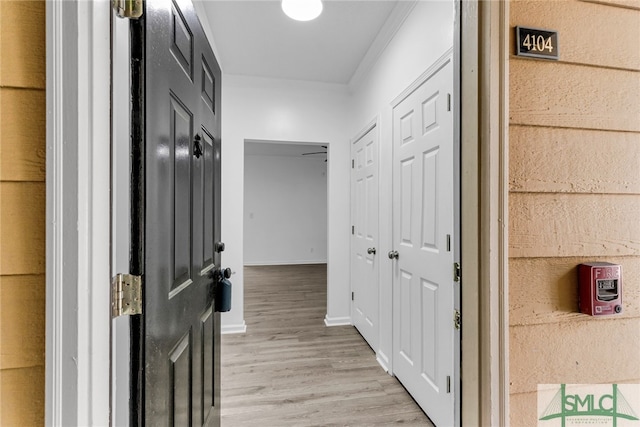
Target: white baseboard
x,y
299,262
337,321
383,361
234,329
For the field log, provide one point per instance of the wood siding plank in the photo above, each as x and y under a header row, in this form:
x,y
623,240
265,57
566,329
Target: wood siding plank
x,y
616,47
22,321
22,392
22,44
524,409
22,213
574,196
596,350
566,225
573,161
22,132
545,290
564,95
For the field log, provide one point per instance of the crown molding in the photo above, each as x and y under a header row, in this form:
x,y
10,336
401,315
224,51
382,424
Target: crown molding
x,y
391,26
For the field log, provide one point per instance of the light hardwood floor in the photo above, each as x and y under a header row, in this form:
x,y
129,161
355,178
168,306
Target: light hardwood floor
x,y
289,369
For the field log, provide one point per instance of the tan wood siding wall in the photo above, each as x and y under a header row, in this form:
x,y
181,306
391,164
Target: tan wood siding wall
x,y
574,177
22,212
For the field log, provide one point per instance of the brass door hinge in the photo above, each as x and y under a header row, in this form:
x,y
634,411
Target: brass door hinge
x,y
131,9
457,319
456,272
126,295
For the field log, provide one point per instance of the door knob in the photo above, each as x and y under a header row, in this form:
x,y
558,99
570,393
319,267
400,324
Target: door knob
x,y
393,254
220,274
371,251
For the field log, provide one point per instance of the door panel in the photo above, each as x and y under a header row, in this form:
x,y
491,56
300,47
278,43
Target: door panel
x,y
423,168
176,88
364,265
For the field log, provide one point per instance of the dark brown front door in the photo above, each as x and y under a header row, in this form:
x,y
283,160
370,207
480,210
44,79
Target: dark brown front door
x,y
176,211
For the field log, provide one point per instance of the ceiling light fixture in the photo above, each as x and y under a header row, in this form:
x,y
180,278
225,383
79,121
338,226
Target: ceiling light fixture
x,y
302,10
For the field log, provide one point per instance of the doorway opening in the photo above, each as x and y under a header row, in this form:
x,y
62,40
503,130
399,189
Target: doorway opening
x,y
285,203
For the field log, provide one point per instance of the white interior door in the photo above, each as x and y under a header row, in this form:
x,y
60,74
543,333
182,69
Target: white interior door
x,y
364,239
423,226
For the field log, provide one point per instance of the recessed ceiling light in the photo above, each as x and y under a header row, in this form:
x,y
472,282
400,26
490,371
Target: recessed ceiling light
x,y
302,10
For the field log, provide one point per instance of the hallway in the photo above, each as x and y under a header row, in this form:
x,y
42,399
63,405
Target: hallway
x,y
289,369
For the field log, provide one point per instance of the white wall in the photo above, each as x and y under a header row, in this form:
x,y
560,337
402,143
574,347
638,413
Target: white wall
x,y
280,110
425,36
285,209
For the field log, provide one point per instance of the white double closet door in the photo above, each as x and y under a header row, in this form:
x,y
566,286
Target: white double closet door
x,y
423,237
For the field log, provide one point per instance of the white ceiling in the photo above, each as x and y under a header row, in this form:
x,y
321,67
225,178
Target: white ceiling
x,y
256,38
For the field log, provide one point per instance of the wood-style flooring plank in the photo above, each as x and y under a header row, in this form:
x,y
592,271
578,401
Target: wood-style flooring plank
x,y
289,369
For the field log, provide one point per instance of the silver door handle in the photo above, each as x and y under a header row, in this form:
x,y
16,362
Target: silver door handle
x,y
393,254
371,251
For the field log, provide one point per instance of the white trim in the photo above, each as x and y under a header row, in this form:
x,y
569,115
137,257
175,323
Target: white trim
x,y
471,396
78,213
384,361
439,63
299,262
337,321
389,29
61,344
494,122
503,216
121,214
457,203
484,195
372,124
234,329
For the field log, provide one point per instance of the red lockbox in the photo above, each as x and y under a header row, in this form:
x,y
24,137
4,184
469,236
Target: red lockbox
x,y
600,288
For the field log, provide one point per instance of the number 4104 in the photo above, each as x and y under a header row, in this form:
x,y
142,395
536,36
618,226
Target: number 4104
x,y
537,43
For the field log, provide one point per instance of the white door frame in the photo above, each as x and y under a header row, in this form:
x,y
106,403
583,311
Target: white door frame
x,y
120,213
483,36
78,212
